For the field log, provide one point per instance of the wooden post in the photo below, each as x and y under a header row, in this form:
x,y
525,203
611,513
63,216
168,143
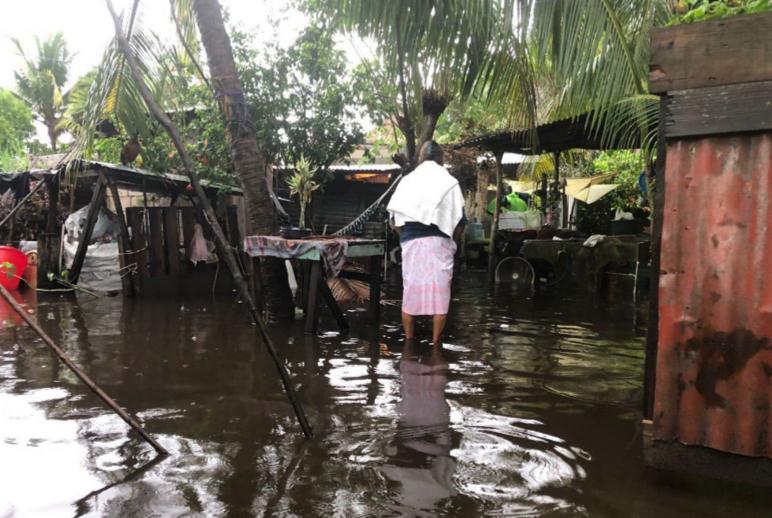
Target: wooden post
x,y
376,273
172,235
312,307
124,246
138,244
48,241
157,255
97,197
481,196
495,223
652,335
79,373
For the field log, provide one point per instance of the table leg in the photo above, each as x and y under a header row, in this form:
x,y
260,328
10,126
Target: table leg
x,y
312,307
375,288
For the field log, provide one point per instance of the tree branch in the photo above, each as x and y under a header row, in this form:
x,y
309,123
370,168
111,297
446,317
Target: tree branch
x,y
222,242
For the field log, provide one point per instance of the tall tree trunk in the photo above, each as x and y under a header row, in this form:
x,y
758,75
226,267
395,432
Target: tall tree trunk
x,y
51,126
248,160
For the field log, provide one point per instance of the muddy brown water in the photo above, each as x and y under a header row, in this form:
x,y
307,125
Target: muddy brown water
x,y
531,408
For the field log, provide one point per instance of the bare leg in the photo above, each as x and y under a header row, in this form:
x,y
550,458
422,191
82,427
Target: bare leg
x,y
438,324
408,323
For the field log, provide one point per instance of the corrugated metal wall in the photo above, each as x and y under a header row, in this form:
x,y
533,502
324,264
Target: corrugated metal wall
x,y
714,365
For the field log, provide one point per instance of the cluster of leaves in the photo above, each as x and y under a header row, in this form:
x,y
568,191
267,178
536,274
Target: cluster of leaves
x,y
41,81
15,123
627,166
303,100
302,184
690,11
30,219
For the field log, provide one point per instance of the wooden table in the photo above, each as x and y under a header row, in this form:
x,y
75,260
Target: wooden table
x,y
585,263
315,280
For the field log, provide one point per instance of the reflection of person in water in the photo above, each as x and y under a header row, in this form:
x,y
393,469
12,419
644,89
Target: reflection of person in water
x,y
420,456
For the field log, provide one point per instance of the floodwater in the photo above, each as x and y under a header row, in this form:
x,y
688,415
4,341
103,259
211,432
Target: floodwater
x,y
531,408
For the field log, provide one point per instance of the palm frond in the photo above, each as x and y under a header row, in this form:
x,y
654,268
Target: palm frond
x,y
112,94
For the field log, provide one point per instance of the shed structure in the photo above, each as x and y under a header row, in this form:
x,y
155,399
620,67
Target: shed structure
x,y
709,358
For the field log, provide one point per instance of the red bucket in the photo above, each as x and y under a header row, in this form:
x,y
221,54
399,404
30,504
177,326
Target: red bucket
x,y
12,265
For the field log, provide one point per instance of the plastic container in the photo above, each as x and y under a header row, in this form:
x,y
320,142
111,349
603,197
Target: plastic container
x,y
475,232
512,221
12,264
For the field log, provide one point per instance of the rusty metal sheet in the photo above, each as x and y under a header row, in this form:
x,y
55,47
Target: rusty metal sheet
x,y
714,358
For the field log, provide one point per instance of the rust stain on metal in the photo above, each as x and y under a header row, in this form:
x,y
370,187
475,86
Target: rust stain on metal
x,y
714,365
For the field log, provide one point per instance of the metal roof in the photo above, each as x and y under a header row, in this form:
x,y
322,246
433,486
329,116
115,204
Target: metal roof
x,y
571,133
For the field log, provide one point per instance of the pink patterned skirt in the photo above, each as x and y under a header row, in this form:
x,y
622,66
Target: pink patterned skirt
x,y
427,271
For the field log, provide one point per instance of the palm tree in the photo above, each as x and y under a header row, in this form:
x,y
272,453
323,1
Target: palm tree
x,y
42,79
436,51
593,53
249,162
114,94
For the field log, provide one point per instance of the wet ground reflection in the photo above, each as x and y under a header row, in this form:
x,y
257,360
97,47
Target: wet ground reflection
x,y
531,408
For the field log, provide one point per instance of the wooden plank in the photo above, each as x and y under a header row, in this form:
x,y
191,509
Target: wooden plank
x,y
172,235
138,243
124,247
719,52
157,254
354,250
97,198
652,336
232,222
720,109
188,221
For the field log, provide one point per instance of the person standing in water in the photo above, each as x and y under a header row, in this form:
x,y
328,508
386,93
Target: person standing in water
x,y
427,209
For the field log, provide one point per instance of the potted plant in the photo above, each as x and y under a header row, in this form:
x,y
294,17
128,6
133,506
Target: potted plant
x,y
302,184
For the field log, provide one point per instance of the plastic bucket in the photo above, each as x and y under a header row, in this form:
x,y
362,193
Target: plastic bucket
x,y
12,264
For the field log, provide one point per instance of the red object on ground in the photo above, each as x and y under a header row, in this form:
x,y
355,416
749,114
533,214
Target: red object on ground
x,y
189,187
12,265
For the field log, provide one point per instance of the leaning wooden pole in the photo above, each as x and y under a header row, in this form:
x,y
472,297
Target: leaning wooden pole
x,y
222,242
79,373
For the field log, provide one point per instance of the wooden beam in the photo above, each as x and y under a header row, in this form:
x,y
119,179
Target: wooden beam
x,y
719,110
49,241
124,247
138,244
79,373
312,305
376,275
719,52
172,235
97,198
652,334
157,255
188,222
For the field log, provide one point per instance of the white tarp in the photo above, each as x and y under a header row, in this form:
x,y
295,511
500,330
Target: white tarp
x,y
101,268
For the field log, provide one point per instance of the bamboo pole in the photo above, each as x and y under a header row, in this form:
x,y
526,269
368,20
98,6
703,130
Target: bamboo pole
x,y
22,202
222,242
79,373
